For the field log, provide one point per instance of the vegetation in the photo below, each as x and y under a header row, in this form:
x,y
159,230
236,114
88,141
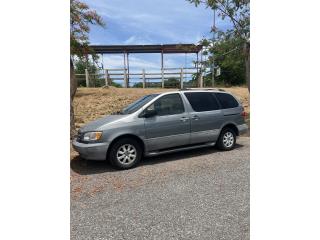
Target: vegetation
x,y
231,50
169,83
95,79
230,58
117,85
138,85
81,16
172,83
81,65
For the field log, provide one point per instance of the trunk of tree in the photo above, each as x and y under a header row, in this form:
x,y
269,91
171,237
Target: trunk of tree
x,y
247,63
73,89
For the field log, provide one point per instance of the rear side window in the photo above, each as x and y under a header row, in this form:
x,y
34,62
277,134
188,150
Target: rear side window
x,y
227,100
202,101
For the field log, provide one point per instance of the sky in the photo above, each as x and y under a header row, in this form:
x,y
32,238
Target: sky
x,y
151,22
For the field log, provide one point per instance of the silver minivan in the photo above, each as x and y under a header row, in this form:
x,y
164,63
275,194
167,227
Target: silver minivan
x,y
163,123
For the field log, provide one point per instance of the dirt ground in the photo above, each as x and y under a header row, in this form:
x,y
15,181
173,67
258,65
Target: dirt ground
x,y
196,194
92,182
92,103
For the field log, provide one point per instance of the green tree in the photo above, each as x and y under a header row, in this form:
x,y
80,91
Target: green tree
x,y
230,58
138,85
238,12
173,82
81,65
81,17
117,85
96,79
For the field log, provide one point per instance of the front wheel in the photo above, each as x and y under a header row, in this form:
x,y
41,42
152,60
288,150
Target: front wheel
x,y
227,139
125,153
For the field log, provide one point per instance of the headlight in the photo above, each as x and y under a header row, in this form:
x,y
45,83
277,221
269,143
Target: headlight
x,y
92,136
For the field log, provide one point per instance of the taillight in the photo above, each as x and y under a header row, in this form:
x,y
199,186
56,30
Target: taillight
x,y
244,114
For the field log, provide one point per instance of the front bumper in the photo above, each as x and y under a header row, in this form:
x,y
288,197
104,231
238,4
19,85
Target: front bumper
x,y
91,151
243,128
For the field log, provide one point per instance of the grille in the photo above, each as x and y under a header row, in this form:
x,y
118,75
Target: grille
x,y
79,136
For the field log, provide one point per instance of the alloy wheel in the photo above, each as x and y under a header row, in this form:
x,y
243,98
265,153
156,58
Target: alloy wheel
x,y
126,154
228,139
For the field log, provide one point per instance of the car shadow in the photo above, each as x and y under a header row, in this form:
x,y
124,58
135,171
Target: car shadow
x,y
84,167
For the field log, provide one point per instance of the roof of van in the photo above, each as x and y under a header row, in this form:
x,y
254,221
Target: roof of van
x,y
195,90
202,89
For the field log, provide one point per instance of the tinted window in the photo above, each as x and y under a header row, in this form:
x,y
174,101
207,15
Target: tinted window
x,y
131,108
168,105
202,101
226,100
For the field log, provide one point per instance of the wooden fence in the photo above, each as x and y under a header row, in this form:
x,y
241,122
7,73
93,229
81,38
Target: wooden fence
x,y
105,77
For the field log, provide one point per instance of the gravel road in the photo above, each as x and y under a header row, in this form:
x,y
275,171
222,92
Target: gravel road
x,y
198,194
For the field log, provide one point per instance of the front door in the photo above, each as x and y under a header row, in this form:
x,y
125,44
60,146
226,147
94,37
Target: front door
x,y
171,125
206,117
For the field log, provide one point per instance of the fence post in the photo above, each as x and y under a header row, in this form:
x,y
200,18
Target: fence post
x,y
162,77
87,77
143,78
106,78
201,79
181,78
125,78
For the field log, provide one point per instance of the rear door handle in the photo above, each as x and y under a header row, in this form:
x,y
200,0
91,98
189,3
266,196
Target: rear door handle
x,y
183,119
195,117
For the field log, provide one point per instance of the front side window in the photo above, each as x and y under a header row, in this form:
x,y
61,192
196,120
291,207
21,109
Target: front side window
x,y
227,100
168,105
131,108
202,101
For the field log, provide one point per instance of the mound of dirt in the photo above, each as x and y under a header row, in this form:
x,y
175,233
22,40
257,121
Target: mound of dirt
x,y
92,103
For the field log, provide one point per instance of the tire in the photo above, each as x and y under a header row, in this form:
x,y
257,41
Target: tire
x,y
125,153
227,139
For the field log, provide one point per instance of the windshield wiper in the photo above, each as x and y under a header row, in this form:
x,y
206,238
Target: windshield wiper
x,y
117,113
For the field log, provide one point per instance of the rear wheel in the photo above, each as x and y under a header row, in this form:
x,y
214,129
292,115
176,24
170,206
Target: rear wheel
x,y
227,139
125,153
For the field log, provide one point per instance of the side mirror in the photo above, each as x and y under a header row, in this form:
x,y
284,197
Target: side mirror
x,y
149,113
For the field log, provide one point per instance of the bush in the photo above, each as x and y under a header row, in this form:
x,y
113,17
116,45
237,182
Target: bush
x,y
117,85
138,85
172,83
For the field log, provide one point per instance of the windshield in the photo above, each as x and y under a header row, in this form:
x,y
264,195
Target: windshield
x,y
131,108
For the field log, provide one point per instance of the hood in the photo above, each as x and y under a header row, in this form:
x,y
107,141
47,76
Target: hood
x,y
94,125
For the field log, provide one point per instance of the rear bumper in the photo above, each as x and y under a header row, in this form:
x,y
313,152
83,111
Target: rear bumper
x,y
91,151
243,128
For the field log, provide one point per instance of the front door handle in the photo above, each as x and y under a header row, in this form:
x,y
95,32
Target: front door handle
x,y
195,117
184,119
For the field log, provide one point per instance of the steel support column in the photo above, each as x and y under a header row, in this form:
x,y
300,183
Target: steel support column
x,y
125,78
162,73
128,76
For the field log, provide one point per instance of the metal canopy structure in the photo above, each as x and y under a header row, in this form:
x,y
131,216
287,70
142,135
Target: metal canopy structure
x,y
160,48
154,48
